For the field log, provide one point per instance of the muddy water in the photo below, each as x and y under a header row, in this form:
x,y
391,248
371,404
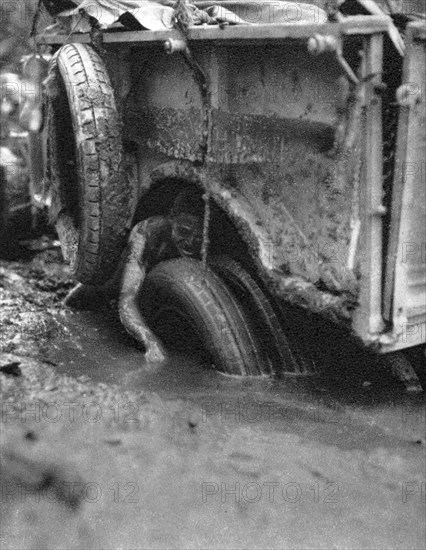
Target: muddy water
x,y
345,461
96,346
216,462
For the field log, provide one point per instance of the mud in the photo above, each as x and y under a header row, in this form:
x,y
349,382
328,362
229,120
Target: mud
x,y
98,452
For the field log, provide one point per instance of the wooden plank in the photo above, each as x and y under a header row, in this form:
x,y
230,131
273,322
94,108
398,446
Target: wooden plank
x,y
235,33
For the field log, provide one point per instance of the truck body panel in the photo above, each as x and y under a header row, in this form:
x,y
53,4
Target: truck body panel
x,y
282,125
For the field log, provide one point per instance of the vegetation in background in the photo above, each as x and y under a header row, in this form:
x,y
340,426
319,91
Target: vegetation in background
x,y
16,18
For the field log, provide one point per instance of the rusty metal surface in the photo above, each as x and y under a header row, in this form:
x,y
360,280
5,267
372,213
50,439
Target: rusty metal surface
x,y
164,108
175,133
277,137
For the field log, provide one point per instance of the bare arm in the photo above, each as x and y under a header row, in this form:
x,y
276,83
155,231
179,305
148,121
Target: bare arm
x,y
134,273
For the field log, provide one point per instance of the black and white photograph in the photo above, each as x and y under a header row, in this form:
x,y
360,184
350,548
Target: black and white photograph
x,y
213,275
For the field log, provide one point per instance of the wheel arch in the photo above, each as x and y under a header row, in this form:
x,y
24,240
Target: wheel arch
x,y
235,229
244,237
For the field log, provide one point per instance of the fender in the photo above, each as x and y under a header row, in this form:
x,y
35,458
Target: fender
x,y
290,288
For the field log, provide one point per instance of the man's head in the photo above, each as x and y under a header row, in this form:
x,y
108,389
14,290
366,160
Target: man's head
x,y
186,217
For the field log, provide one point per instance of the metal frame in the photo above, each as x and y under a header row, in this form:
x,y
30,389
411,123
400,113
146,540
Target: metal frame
x,y
405,280
368,321
235,33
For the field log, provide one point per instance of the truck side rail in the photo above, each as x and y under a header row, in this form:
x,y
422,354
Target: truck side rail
x,y
358,25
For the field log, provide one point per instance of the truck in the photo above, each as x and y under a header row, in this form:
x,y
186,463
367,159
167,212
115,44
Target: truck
x,y
306,143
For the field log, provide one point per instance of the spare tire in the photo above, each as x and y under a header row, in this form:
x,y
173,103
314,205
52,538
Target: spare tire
x,y
182,294
90,192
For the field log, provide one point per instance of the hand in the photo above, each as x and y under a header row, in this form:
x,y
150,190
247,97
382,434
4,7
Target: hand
x,y
154,353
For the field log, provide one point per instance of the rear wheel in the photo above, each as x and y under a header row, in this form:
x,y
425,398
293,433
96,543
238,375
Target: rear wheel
x,y
272,339
181,294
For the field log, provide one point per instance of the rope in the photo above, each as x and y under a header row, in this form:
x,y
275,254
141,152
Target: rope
x,y
96,34
34,25
73,29
70,33
183,19
206,225
36,19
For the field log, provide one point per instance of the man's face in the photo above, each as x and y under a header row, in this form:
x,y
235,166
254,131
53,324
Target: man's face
x,y
187,234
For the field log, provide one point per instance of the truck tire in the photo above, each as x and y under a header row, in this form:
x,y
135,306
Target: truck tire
x,y
197,299
90,194
272,339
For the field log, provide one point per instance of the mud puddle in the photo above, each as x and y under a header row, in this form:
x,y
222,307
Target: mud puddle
x,y
184,457
291,463
355,413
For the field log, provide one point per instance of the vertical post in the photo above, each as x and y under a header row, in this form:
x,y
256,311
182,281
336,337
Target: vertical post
x,y
370,321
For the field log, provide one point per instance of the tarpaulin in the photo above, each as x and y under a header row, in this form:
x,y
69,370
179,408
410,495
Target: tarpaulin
x,y
155,15
160,14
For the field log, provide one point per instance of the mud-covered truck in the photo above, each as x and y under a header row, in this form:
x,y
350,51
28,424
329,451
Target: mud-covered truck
x,y
304,138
